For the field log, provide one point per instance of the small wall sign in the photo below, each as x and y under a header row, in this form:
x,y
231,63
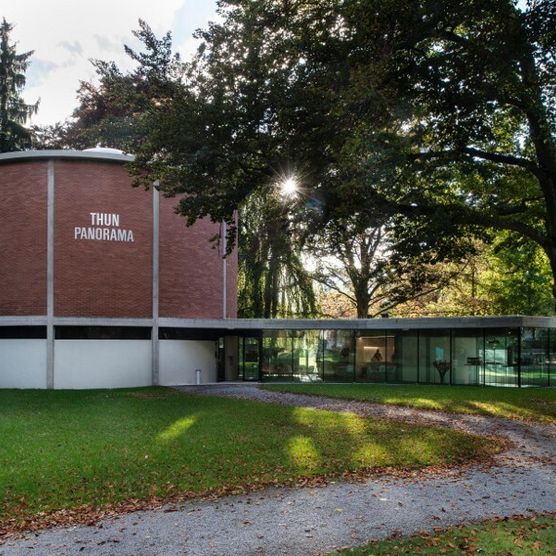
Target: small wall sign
x,y
103,226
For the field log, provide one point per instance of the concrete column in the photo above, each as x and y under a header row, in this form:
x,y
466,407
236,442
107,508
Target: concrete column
x,y
224,271
155,285
50,276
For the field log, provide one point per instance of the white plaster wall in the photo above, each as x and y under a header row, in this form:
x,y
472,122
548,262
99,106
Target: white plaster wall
x,y
180,358
102,363
22,363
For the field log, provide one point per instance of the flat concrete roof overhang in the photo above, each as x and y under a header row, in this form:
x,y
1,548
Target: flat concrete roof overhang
x,y
363,324
246,325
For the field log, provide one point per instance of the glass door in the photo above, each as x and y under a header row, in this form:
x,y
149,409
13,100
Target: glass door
x,y
250,357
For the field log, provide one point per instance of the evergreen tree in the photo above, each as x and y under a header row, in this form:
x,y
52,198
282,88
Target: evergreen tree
x,y
14,112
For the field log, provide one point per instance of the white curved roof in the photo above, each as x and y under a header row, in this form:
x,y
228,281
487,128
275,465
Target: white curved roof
x,y
113,155
107,150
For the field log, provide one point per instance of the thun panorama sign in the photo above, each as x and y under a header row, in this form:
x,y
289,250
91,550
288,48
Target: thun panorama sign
x,y
103,227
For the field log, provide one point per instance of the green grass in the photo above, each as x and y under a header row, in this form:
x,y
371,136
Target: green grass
x,y
64,449
496,538
514,403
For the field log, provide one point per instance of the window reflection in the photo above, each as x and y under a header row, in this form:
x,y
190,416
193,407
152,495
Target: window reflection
x,y
534,357
434,356
338,355
501,352
467,356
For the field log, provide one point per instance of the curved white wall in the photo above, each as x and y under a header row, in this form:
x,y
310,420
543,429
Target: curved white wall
x,y
102,363
180,358
22,363
81,364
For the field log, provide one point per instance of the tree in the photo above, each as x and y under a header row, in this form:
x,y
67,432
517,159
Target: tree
x,y
272,279
365,266
507,276
110,112
476,141
517,280
14,112
441,112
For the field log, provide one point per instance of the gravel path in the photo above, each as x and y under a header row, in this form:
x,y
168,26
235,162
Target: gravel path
x,y
308,521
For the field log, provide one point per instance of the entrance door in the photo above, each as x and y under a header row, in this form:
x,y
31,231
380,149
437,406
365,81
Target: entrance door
x,y
250,358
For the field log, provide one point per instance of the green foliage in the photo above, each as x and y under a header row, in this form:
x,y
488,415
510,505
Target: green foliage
x,y
437,112
110,113
508,276
14,112
272,279
64,450
518,280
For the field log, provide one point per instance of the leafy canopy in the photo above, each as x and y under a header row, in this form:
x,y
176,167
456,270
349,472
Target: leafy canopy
x,y
441,112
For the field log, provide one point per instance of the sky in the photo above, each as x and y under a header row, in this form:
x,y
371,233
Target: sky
x,y
66,34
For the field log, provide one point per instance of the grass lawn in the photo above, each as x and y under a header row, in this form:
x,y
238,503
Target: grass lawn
x,y
513,537
64,449
514,403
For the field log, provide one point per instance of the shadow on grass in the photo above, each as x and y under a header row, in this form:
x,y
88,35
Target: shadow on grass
x,y
68,449
527,403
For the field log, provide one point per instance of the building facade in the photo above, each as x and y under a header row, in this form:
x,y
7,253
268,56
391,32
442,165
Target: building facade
x,y
88,259
103,286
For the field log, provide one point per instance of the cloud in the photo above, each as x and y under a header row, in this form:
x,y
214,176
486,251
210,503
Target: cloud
x,y
73,47
191,16
106,45
38,71
66,34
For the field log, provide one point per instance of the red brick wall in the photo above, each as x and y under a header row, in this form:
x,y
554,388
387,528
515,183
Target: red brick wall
x,y
101,278
191,268
23,230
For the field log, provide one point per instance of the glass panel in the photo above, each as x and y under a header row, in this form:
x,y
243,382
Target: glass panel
x,y
372,356
552,357
403,363
250,363
467,356
501,349
307,356
534,357
278,361
338,354
434,356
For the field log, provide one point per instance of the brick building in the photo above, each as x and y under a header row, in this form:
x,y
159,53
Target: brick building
x,y
103,286
88,259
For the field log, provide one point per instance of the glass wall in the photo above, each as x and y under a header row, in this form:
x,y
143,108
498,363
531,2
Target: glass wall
x,y
249,354
438,356
372,355
467,356
307,356
338,355
552,357
405,356
534,357
434,356
277,356
501,357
